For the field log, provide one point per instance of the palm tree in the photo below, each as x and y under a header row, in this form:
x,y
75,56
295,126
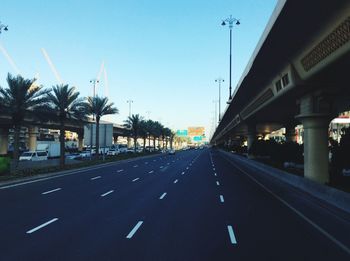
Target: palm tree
x,y
65,105
98,106
166,135
22,99
156,132
144,133
134,123
172,136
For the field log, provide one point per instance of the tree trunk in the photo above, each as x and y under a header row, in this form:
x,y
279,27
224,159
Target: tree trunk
x,y
135,141
166,143
62,144
17,130
144,143
154,143
97,154
149,142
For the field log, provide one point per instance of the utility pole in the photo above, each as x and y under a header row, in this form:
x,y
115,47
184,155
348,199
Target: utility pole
x,y
219,80
130,102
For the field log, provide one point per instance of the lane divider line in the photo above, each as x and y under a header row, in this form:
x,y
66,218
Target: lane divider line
x,y
175,181
183,173
107,193
151,172
120,170
97,177
133,231
217,183
222,199
50,191
135,179
135,166
232,235
42,225
163,195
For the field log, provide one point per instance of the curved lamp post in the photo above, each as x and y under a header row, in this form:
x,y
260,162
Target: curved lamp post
x,y
231,21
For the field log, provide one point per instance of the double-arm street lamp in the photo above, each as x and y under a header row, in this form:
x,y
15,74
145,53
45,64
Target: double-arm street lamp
x,y
3,27
94,82
231,21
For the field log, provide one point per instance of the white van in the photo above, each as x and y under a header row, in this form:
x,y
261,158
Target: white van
x,y
33,156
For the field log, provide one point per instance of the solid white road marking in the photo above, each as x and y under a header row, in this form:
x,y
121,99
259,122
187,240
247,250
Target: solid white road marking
x,y
135,179
133,231
222,199
175,181
151,172
214,174
161,167
183,173
232,235
97,177
320,229
105,194
187,168
42,225
217,183
50,191
163,195
135,166
214,169
120,170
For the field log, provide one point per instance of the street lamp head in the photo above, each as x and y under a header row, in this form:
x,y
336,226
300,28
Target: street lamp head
x,y
238,23
6,28
223,23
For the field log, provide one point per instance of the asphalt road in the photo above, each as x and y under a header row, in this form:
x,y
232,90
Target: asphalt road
x,y
195,205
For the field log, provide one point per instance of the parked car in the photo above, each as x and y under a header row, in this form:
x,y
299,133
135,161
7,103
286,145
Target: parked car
x,y
85,154
171,152
113,152
123,148
74,156
33,156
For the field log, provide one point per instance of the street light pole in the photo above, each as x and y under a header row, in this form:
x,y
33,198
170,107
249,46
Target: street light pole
x,y
94,81
230,20
3,27
130,102
219,80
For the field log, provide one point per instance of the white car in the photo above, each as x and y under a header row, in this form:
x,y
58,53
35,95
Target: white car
x,y
33,156
113,152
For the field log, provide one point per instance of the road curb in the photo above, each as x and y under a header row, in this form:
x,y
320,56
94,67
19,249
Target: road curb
x,y
330,195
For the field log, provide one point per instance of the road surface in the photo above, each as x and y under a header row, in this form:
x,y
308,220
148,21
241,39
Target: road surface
x,y
195,205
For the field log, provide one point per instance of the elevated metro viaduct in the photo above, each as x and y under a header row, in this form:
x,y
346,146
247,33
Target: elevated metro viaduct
x,y
298,74
71,125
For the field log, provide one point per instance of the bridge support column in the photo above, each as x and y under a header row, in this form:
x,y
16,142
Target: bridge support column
x,y
315,117
316,148
290,134
3,141
115,139
251,136
32,132
80,141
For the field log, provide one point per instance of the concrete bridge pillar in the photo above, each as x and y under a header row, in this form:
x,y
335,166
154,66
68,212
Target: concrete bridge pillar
x,y
80,141
32,132
251,136
3,140
290,134
115,139
316,148
315,117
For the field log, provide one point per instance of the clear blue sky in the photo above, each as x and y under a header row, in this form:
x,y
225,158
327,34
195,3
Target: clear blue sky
x,y
164,55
